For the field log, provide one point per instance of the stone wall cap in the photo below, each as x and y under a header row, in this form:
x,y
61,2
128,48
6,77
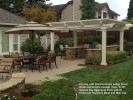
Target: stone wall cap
x,y
112,46
94,49
18,75
10,83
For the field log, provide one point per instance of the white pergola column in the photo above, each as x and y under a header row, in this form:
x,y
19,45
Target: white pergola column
x,y
52,41
121,39
104,36
75,38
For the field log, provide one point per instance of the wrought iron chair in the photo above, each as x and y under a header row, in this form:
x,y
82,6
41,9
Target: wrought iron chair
x,y
41,60
51,59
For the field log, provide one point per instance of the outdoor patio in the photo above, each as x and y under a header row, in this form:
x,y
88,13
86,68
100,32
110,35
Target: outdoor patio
x,y
64,66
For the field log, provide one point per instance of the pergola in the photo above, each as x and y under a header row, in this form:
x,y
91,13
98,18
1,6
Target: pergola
x,y
102,25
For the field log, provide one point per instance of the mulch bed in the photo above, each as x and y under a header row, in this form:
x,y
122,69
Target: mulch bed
x,y
34,87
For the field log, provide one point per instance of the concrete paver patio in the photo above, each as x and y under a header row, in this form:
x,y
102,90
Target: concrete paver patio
x,y
64,66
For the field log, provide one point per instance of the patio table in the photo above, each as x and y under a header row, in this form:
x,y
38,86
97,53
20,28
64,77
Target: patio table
x,y
29,60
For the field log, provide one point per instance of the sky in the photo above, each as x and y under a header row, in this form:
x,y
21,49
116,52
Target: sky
x,y
119,6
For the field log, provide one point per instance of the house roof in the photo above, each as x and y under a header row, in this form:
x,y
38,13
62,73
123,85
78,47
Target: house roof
x,y
58,7
7,18
61,7
99,7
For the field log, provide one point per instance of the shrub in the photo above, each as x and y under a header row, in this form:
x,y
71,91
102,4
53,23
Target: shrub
x,y
29,92
57,90
128,46
111,40
115,57
92,39
32,45
64,41
92,60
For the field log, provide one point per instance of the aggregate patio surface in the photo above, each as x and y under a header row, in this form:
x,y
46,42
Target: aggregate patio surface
x,y
64,66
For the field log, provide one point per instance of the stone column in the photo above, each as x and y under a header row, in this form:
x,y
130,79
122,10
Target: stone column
x,y
75,38
121,39
104,37
52,41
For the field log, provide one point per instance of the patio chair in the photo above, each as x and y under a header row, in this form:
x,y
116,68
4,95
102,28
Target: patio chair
x,y
66,46
51,59
17,62
62,50
26,62
86,45
40,60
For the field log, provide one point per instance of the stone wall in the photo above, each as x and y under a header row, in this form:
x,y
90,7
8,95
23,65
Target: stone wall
x,y
112,48
94,53
98,52
13,86
73,53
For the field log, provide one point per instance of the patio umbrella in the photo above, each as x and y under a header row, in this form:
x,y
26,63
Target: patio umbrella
x,y
31,28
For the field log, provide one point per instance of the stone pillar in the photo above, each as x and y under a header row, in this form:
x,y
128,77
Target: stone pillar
x,y
121,40
104,38
75,38
52,41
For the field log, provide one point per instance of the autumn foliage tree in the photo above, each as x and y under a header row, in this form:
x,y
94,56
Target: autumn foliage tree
x,y
38,14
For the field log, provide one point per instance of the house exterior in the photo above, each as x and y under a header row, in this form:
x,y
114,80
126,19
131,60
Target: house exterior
x,y
71,11
10,42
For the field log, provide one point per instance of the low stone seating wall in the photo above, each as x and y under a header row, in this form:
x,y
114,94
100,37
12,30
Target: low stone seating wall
x,y
94,53
98,52
112,48
14,85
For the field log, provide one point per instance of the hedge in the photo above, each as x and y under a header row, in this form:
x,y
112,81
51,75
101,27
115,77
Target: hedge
x,y
92,39
115,57
92,60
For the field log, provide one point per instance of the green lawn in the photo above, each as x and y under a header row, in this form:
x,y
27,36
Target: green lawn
x,y
63,89
120,73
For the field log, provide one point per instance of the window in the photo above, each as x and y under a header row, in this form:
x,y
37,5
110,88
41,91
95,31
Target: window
x,y
104,15
99,14
5,42
15,42
111,16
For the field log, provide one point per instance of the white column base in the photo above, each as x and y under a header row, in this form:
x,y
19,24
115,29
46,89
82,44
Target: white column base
x,y
103,63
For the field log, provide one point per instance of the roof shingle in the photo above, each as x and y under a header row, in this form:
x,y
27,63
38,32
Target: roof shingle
x,y
7,17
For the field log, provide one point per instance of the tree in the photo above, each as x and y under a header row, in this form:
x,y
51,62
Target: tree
x,y
38,14
130,10
13,6
129,20
16,6
87,9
